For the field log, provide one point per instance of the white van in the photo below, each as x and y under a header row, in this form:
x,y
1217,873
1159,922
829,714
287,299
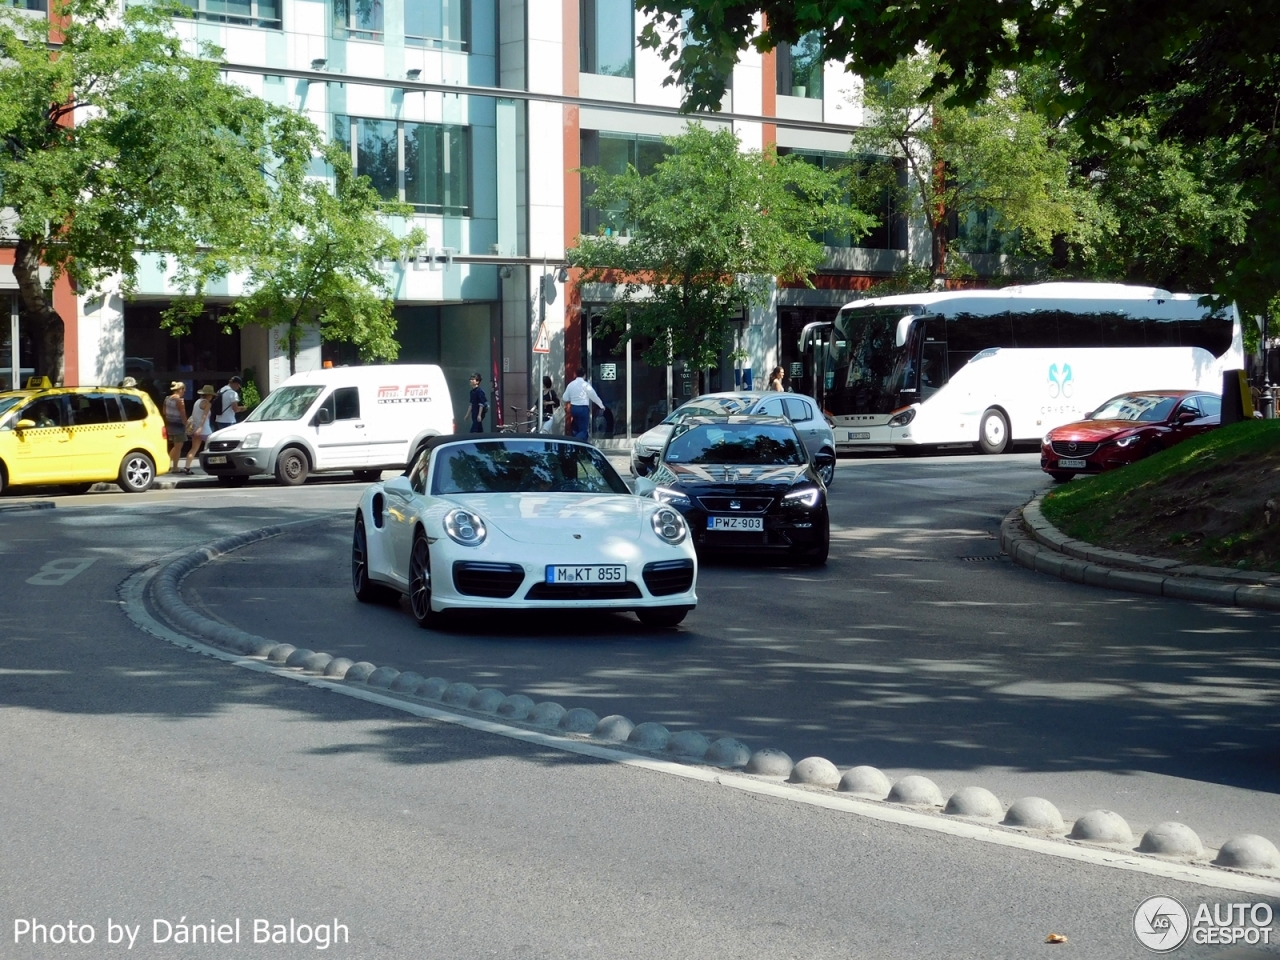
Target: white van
x,y
362,419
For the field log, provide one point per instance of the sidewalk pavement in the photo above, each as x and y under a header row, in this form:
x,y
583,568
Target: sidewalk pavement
x,y
1033,542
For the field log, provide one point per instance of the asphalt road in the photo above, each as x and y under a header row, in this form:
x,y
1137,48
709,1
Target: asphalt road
x,y
143,782
916,649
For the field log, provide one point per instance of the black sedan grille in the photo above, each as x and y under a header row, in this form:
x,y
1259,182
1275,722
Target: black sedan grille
x,y
1073,448
585,591
736,504
498,580
668,577
222,446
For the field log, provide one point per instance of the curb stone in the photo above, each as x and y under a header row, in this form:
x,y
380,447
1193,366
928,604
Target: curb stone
x,y
1033,542
1247,862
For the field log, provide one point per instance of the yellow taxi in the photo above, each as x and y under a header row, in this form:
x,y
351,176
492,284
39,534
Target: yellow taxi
x,y
78,436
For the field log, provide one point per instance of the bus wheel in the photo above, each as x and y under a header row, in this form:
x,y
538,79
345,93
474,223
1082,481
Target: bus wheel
x,y
993,432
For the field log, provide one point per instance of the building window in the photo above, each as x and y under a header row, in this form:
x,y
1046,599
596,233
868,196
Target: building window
x,y
438,24
427,165
890,233
357,19
615,152
607,37
800,67
437,161
256,13
41,6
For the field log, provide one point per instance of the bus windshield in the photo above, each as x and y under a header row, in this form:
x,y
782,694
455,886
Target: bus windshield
x,y
866,370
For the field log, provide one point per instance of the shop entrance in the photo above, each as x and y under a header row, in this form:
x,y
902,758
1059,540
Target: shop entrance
x,y
18,348
636,395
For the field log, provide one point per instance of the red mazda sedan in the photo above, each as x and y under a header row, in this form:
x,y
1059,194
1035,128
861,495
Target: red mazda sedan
x,y
1127,428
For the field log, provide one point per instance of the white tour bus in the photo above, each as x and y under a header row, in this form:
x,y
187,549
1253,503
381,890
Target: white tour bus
x,y
994,366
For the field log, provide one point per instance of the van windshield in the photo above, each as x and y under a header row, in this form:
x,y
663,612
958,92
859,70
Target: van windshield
x,y
286,403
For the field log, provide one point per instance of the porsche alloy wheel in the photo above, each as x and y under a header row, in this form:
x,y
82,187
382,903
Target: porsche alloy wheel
x,y
366,590
420,582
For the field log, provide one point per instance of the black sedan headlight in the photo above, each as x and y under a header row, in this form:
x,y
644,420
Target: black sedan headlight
x,y
806,496
673,496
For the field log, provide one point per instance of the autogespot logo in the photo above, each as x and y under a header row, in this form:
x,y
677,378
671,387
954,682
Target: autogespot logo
x,y
1161,924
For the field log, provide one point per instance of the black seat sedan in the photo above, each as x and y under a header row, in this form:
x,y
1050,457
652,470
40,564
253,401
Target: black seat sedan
x,y
744,483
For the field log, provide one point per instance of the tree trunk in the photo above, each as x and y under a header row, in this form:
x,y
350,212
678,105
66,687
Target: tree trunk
x,y
39,304
938,249
293,345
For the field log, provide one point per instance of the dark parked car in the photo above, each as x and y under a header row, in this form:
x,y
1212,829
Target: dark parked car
x,y
1127,428
745,483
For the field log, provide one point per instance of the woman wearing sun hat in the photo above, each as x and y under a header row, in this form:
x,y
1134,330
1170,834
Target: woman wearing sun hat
x,y
200,425
175,421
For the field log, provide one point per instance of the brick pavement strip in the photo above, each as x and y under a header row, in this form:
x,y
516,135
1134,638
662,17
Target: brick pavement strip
x,y
1032,541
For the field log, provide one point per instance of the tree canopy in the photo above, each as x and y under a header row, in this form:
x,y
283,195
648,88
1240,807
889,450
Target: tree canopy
x,y
713,227
122,142
997,158
318,260
1206,71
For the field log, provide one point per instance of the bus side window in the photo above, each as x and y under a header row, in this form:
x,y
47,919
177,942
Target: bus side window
x,y
933,357
967,334
1038,329
1079,330
1121,330
1213,333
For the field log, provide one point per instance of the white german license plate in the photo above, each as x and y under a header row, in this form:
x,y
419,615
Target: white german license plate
x,y
735,523
215,459
595,573
1073,464
858,435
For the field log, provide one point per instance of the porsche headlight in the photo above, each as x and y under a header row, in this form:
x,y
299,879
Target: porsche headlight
x,y
672,496
1128,441
669,525
464,528
251,441
801,497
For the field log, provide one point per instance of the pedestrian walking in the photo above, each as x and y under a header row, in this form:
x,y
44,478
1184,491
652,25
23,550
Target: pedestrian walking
x,y
775,380
478,406
578,397
200,425
550,401
175,421
226,404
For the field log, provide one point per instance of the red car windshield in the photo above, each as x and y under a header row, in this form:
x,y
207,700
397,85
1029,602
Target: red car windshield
x,y
1139,407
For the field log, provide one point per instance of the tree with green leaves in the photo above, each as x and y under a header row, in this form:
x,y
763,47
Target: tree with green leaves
x,y
713,228
997,157
122,143
317,261
1207,70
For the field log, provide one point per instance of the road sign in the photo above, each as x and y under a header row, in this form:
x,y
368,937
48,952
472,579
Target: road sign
x,y
543,343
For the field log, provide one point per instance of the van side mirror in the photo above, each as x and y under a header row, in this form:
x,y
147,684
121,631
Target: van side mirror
x,y
324,415
25,425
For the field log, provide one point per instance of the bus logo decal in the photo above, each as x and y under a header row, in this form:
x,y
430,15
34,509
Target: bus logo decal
x,y
1060,382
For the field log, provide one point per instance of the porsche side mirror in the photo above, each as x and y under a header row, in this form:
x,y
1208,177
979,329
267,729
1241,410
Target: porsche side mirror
x,y
400,484
644,487
25,425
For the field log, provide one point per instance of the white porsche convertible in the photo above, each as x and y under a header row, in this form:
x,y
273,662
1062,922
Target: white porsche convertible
x,y
510,522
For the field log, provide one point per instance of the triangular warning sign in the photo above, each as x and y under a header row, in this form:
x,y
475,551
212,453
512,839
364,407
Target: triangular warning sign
x,y
543,343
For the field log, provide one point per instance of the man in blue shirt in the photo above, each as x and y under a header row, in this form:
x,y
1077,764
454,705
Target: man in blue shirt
x,y
479,405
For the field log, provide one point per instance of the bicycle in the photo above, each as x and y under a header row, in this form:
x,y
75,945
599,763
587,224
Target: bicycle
x,y
521,426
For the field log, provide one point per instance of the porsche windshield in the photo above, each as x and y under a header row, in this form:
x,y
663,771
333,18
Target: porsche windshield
x,y
746,443
498,466
1142,407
